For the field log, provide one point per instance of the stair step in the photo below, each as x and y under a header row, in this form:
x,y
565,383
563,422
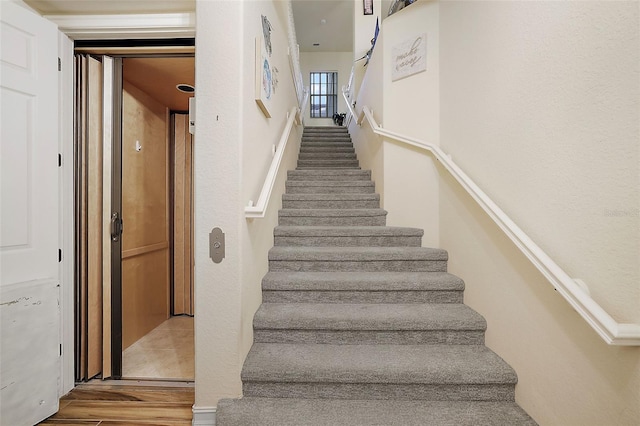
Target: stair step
x,y
371,259
328,163
362,287
326,144
327,156
326,167
374,236
325,129
308,149
326,136
428,372
370,324
332,217
330,201
250,411
344,175
333,187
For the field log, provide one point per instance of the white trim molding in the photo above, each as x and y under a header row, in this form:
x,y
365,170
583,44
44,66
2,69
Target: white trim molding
x,y
203,416
573,290
136,26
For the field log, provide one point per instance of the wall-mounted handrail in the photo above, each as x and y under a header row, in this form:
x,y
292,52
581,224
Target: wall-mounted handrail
x,y
303,104
258,210
573,290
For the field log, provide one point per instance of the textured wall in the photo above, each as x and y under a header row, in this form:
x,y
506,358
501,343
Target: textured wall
x,y
232,154
411,107
218,199
260,135
539,105
367,144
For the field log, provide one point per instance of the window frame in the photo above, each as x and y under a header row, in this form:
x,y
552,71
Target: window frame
x,y
327,91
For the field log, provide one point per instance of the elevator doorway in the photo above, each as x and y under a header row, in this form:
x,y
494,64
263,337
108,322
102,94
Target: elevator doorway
x,y
136,295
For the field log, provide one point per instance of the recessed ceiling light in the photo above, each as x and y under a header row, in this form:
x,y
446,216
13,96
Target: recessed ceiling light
x,y
185,88
323,21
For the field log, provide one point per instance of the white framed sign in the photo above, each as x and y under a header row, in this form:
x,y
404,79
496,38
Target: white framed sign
x,y
409,57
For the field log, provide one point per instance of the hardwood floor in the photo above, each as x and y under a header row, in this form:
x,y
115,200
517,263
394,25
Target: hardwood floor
x,y
122,403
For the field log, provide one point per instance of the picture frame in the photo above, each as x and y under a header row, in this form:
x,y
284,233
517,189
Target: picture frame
x,y
263,77
367,7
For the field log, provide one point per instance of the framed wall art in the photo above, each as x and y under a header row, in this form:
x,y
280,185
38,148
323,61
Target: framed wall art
x,y
264,83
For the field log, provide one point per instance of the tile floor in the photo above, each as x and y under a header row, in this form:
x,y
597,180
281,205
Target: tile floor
x,y
167,352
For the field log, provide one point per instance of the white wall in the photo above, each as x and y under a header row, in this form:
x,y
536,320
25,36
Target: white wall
x,y
368,145
540,105
260,136
231,157
406,178
326,61
411,107
363,31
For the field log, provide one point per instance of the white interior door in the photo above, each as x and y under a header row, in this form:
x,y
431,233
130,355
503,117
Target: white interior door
x,y
29,232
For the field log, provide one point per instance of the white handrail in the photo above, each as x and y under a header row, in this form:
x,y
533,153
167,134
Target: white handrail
x,y
258,211
573,290
303,104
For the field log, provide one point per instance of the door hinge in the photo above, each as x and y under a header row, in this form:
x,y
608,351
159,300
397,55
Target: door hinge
x,y
59,255
59,64
60,349
59,160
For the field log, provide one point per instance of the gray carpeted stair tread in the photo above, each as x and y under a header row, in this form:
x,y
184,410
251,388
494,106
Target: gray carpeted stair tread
x,y
385,364
331,212
362,281
326,128
323,183
347,236
326,187
331,201
321,135
327,155
323,140
333,167
332,217
371,259
320,149
362,254
342,174
328,163
326,132
251,411
326,145
370,316
346,231
329,197
330,187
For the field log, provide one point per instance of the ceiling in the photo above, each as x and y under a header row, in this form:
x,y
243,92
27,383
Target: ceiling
x,y
334,35
158,78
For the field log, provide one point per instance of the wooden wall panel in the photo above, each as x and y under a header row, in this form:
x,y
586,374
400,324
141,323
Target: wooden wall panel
x,y
144,303
94,218
182,217
145,211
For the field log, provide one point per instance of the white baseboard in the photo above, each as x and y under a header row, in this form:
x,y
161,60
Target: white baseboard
x,y
204,416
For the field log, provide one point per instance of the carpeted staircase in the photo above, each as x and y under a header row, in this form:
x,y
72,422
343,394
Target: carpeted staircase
x,y
359,324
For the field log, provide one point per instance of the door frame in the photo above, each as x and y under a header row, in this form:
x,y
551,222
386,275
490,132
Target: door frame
x,y
85,27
